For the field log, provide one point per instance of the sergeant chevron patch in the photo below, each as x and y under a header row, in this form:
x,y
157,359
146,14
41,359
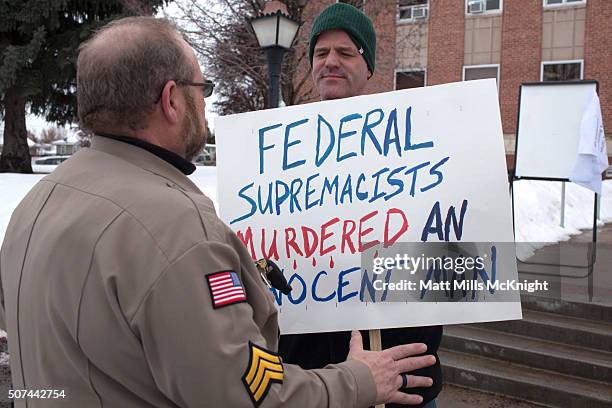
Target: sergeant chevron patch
x,y
264,368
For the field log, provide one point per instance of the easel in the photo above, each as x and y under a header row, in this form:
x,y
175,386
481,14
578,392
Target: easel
x,y
592,254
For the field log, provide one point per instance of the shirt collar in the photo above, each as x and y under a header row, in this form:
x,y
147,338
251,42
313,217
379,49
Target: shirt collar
x,y
185,166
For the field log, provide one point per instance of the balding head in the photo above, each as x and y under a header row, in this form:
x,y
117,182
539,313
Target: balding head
x,y
122,69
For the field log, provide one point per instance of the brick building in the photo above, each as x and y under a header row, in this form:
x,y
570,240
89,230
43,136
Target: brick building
x,y
429,42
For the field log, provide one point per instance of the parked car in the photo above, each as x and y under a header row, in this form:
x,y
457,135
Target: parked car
x,y
208,157
51,160
212,149
204,159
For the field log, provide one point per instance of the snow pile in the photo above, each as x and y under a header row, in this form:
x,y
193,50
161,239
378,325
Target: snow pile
x,y
538,212
537,203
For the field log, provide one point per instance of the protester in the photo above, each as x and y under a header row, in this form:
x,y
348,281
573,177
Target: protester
x,y
343,59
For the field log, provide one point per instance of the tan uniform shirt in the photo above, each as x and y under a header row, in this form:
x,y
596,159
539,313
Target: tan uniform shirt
x,y
107,271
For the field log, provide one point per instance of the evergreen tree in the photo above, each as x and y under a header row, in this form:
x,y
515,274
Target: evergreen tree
x,y
38,50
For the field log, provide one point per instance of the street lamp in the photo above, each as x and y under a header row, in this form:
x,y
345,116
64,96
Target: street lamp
x,y
275,31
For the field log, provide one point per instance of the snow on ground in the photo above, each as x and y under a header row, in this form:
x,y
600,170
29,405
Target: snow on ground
x,y
205,177
537,205
538,212
13,187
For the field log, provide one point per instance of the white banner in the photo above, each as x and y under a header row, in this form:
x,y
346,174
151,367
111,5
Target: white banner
x,y
312,186
592,157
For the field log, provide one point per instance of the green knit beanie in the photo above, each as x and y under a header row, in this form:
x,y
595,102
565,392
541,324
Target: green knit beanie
x,y
342,16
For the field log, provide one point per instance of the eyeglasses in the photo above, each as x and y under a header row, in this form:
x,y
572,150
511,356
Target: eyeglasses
x,y
207,86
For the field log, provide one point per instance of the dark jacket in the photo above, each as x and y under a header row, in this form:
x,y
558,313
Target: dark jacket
x,y
316,350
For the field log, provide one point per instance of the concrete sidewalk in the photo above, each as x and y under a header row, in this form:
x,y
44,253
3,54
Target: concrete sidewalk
x,y
453,396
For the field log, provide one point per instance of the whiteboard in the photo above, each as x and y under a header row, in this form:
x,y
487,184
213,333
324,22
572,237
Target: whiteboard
x,y
549,128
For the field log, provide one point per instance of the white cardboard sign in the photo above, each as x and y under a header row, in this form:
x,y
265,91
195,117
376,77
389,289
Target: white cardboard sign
x,y
312,186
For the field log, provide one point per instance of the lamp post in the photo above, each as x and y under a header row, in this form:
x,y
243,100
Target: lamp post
x,y
275,31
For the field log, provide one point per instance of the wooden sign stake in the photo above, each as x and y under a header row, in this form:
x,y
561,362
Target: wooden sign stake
x,y
376,345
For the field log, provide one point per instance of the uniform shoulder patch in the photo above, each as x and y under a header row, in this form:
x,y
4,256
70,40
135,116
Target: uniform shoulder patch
x,y
225,288
264,368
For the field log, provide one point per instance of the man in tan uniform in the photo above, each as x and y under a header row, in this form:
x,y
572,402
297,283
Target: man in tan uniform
x,y
120,287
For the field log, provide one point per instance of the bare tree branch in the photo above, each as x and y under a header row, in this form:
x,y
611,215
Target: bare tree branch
x,y
230,55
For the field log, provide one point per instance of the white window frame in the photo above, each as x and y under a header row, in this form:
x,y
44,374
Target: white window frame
x,y
486,12
483,66
564,4
412,19
581,61
396,71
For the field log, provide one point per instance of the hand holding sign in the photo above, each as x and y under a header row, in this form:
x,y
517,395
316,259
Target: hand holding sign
x,y
388,366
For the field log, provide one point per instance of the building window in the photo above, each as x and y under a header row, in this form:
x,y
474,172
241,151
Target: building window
x,y
556,3
472,72
412,10
483,6
357,3
409,79
562,71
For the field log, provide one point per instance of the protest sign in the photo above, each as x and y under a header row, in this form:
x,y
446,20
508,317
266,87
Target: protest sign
x,y
314,186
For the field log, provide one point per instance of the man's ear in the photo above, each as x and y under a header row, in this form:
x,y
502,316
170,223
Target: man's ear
x,y
169,102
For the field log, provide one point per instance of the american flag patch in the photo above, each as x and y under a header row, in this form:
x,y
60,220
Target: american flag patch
x,y
225,288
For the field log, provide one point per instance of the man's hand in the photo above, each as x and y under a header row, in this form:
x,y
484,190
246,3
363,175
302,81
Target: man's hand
x,y
387,367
